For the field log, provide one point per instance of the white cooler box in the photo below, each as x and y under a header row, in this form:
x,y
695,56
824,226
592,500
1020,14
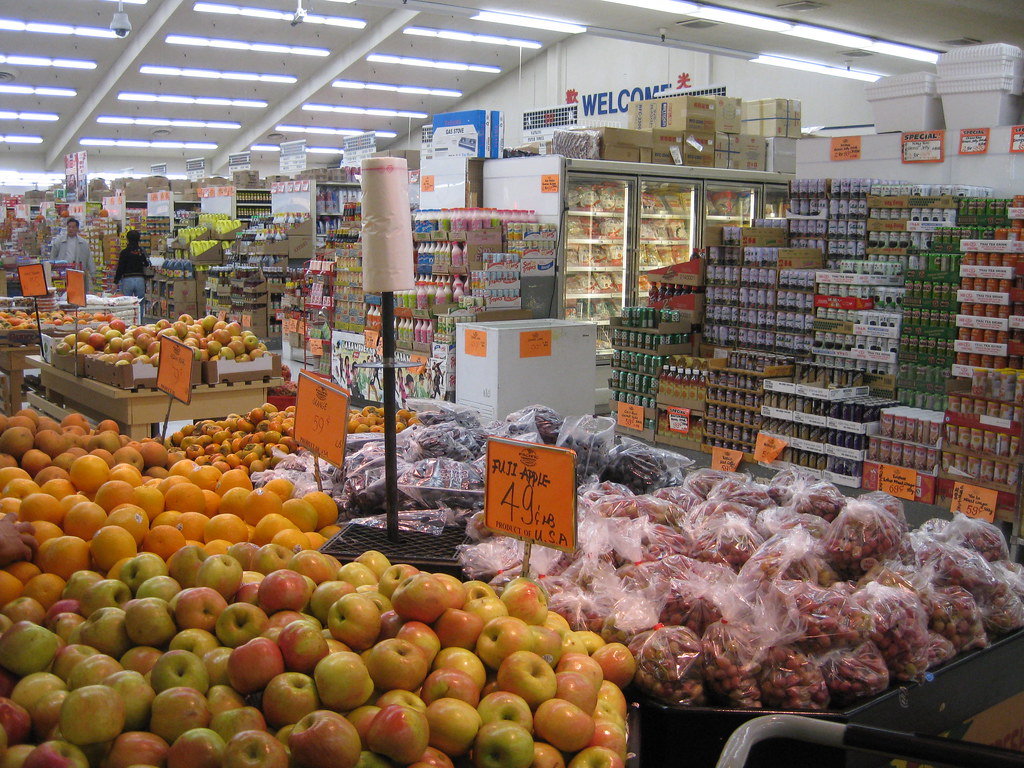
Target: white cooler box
x,y
981,85
905,103
507,366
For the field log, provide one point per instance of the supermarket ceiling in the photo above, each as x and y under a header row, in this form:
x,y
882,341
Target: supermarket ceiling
x,y
208,78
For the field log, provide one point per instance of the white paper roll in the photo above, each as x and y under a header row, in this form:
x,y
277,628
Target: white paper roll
x,y
387,226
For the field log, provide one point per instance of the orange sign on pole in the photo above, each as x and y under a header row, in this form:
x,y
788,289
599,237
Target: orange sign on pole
x,y
321,418
535,343
174,373
973,501
371,338
476,343
530,492
768,447
898,481
726,460
33,281
76,287
631,416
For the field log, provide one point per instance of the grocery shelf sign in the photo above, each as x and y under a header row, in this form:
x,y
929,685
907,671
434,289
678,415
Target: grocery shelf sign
x,y
293,156
321,418
174,372
239,161
195,168
974,141
922,146
530,493
898,481
973,501
845,148
76,287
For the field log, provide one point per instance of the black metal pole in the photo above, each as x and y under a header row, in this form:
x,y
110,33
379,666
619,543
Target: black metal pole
x,y
387,332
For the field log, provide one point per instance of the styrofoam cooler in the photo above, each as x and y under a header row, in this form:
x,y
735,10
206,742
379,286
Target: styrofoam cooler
x,y
905,103
980,102
984,61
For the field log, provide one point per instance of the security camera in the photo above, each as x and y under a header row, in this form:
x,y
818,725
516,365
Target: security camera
x,y
120,25
300,14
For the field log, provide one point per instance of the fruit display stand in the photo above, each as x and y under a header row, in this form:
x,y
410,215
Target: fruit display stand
x,y
137,411
13,364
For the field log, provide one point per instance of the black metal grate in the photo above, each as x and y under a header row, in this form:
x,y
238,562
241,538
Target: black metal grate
x,y
426,551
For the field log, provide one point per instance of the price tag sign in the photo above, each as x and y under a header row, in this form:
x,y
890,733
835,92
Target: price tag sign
x,y
679,420
316,346
290,325
476,343
922,146
427,183
33,281
845,148
549,183
898,481
973,501
371,338
174,373
76,287
726,460
247,320
530,492
535,344
768,447
321,418
974,141
1017,138
631,416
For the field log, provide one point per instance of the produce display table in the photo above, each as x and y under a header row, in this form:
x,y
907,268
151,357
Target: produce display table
x,y
976,697
13,364
136,412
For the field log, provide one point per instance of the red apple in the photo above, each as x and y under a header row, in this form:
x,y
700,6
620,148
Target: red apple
x,y
197,748
197,641
255,749
400,733
436,758
105,631
324,739
302,646
216,663
525,600
31,689
141,658
563,725
453,725
136,748
402,698
244,552
450,683
544,756
582,663
547,643
597,757
396,663
288,698
458,628
487,608
221,698
67,605
502,705
464,661
357,575
611,699
327,594
15,721
184,564
252,665
248,593
610,734
177,710
230,722
390,623
393,576
199,608
46,714
361,717
56,754
149,621
68,657
284,590
526,674
420,597
355,621
221,573
502,637
422,636
616,662
137,695
342,681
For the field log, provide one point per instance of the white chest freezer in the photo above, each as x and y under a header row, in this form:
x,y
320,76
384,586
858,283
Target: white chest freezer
x,y
503,366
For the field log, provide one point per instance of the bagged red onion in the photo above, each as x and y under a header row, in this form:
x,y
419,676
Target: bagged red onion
x,y
860,536
1002,611
983,537
680,496
900,629
740,490
669,666
730,540
854,673
794,555
807,494
775,520
693,601
792,680
732,656
955,566
701,481
940,650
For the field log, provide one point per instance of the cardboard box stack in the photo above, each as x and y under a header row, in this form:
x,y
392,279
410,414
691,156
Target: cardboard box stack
x,y
772,117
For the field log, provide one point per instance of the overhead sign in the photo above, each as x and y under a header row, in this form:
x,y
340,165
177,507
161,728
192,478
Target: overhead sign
x,y
293,156
612,102
195,169
239,161
217,200
358,148
158,169
76,180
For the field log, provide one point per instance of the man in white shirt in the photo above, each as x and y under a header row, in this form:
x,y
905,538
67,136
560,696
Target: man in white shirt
x,y
74,249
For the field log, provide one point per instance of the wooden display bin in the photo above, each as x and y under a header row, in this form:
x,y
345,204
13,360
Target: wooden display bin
x,y
220,371
133,375
71,363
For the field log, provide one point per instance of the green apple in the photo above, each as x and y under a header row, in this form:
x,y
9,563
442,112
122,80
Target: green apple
x,y
137,695
92,714
179,668
26,648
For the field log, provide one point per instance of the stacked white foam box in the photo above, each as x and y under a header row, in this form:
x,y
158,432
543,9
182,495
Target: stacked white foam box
x,y
981,85
905,103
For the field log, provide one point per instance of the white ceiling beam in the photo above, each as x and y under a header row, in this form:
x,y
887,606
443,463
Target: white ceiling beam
x,y
135,44
307,88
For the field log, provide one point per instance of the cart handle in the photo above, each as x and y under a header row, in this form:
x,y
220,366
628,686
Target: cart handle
x,y
893,743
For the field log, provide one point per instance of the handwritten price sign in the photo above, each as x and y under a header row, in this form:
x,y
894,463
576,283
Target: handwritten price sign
x,y
631,416
174,373
535,343
33,281
321,418
725,459
476,343
898,481
530,493
979,503
76,287
768,448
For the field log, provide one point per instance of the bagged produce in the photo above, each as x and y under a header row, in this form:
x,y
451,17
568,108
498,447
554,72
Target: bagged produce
x,y
546,421
830,617
806,494
633,506
643,468
861,535
661,541
592,438
629,616
790,679
982,537
432,412
442,441
774,520
955,566
641,574
487,559
1012,574
889,503
701,481
952,613
741,490
899,628
588,494
854,673
730,540
693,599
1002,611
718,509
443,482
793,554
669,665
680,497
940,650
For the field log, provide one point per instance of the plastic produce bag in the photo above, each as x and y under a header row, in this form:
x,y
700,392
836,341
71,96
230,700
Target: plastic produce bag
x,y
742,490
630,615
775,520
441,482
547,421
955,566
806,494
442,441
432,412
669,666
643,468
488,558
588,494
983,537
889,503
661,541
1002,611
790,679
701,481
940,650
730,540
633,506
856,673
432,521
794,555
830,617
900,629
693,600
681,497
861,535
1012,574
592,438
954,614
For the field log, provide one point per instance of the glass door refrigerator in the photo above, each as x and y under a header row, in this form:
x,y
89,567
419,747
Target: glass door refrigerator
x,y
776,201
665,233
596,232
731,204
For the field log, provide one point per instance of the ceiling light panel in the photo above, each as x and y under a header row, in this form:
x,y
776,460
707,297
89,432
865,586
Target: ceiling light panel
x,y
469,37
411,89
265,148
14,139
409,61
325,150
903,51
205,101
13,25
316,129
830,36
42,61
244,45
168,122
37,116
532,22
740,19
272,15
141,144
131,2
371,111
667,6
36,90
821,69
215,74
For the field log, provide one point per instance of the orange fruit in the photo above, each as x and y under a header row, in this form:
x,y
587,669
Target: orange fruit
x,y
19,488
9,506
114,493
132,518
271,525
290,539
10,473
329,531
233,478
44,530
217,547
59,488
227,527
169,517
192,524
185,497
23,570
45,588
170,481
315,540
326,508
205,477
282,487
233,502
163,540
150,499
63,556
89,472
110,544
38,507
68,502
301,513
261,503
182,468
126,473
10,587
212,503
84,519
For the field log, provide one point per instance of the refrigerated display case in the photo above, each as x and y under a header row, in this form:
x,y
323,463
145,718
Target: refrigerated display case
x,y
731,205
776,201
668,211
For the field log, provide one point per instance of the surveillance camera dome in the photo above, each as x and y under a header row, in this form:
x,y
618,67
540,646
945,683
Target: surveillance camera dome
x,y
120,25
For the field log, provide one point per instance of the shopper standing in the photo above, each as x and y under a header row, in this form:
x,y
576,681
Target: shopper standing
x,y
131,270
74,249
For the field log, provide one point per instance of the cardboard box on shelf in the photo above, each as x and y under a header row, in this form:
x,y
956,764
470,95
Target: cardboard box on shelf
x,y
780,154
624,145
772,117
219,371
300,247
740,151
685,113
692,148
728,114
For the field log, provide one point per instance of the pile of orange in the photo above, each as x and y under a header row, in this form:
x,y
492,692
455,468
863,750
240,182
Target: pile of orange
x,y
371,419
255,441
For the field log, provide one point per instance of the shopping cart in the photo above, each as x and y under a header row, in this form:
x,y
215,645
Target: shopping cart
x,y
850,736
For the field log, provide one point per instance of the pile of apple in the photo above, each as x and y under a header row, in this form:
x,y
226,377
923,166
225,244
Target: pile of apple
x,y
212,339
265,659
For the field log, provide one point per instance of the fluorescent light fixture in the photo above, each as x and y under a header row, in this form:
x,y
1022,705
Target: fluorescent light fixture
x,y
515,20
42,61
206,101
469,37
28,179
130,2
668,6
740,19
215,74
43,116
266,13
324,150
821,69
36,90
168,122
830,36
265,147
243,45
147,144
345,110
458,66
333,131
902,51
14,139
413,89
12,25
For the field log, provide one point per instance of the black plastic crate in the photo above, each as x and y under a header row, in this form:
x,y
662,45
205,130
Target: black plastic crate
x,y
423,550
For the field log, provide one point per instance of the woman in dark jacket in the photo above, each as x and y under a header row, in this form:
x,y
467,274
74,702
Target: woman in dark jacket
x,y
131,269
